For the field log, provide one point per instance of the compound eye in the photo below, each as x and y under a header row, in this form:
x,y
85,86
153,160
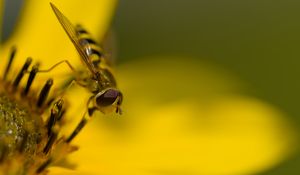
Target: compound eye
x,y
107,98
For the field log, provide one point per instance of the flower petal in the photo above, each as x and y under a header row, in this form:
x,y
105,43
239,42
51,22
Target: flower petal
x,y
183,117
39,34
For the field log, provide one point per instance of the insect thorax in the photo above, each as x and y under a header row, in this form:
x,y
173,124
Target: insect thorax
x,y
100,81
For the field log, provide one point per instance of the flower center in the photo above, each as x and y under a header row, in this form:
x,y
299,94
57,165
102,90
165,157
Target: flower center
x,y
30,124
20,131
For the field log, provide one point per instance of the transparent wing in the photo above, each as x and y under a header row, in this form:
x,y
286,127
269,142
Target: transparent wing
x,y
71,32
109,45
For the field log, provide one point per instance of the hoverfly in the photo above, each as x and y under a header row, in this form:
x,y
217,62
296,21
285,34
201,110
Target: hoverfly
x,y
99,80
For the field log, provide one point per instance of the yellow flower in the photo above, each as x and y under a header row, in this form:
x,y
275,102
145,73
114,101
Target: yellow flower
x,y
29,142
181,116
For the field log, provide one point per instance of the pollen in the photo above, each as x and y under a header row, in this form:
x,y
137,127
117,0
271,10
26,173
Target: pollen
x,y
30,123
19,131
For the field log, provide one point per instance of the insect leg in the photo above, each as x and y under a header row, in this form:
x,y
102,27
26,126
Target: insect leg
x,y
69,65
61,90
81,124
57,64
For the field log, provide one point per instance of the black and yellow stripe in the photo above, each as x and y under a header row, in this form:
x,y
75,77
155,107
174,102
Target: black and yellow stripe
x,y
92,48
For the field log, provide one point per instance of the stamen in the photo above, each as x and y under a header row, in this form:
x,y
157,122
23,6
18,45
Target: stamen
x,y
61,115
30,142
44,93
55,113
11,58
32,75
44,166
50,142
22,72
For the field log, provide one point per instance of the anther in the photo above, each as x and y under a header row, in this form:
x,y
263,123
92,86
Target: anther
x,y
11,58
50,142
61,115
44,166
44,93
55,113
22,72
32,75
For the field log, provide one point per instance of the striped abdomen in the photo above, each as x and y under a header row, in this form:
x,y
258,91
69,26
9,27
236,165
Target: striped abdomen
x,y
95,53
92,48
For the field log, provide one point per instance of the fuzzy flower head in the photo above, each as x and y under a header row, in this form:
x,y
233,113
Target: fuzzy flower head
x,y
33,116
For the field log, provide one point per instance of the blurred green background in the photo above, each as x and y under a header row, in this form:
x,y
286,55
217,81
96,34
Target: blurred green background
x,y
257,40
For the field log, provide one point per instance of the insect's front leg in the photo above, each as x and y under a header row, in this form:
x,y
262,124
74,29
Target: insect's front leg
x,y
76,74
83,121
57,64
75,78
